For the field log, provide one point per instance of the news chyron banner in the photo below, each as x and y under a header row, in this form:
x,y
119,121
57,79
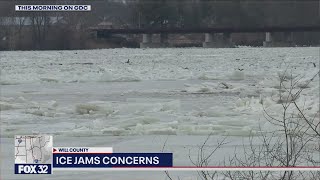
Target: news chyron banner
x,y
35,154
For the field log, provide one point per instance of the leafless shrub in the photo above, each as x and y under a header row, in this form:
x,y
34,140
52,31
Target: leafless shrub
x,y
289,145
295,141
204,156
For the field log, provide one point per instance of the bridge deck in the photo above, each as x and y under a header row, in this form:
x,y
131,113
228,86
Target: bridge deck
x,y
208,30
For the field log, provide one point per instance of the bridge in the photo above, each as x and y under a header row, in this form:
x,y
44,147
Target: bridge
x,y
214,36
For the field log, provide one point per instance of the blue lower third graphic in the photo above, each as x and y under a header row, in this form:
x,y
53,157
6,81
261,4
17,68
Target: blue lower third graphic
x,y
32,169
95,160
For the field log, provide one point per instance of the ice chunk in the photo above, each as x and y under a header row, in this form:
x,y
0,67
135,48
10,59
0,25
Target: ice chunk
x,y
108,77
248,104
86,108
94,107
6,106
171,106
237,75
114,131
46,79
41,112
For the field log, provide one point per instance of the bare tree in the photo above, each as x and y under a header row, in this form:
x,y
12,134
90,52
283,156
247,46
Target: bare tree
x,y
40,24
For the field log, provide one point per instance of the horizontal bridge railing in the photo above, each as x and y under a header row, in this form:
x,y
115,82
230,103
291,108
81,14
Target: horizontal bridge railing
x,y
207,30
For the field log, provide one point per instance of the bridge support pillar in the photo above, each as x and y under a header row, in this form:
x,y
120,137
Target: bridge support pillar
x,y
146,40
218,41
148,43
268,41
289,38
164,38
284,41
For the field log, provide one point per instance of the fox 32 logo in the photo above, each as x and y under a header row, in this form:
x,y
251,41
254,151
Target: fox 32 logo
x,y
32,169
33,154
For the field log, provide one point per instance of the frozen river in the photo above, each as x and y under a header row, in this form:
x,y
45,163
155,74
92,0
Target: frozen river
x,y
135,99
